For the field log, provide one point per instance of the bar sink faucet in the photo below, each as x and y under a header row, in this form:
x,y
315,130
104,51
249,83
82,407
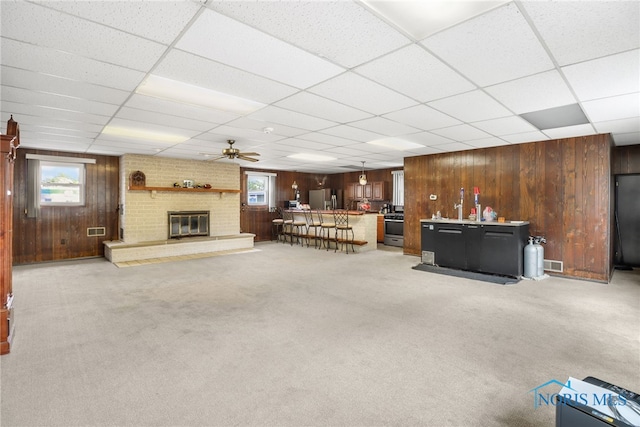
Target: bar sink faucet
x,y
459,206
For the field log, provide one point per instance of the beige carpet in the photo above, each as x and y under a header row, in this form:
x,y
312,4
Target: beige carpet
x,y
290,336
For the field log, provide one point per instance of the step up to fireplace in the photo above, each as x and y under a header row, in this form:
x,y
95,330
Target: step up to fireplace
x,y
117,251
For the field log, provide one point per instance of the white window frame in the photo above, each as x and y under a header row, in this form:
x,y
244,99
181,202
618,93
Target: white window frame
x,y
40,161
270,189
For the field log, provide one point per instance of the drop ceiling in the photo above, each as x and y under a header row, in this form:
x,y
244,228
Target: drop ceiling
x,y
328,77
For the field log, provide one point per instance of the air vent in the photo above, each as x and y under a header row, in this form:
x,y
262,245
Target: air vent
x,y
96,231
551,265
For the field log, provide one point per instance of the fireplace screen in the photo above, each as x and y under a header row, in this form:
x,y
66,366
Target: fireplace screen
x,y
188,223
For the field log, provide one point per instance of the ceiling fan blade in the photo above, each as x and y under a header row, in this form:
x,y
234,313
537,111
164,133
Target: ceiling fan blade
x,y
217,158
249,154
250,159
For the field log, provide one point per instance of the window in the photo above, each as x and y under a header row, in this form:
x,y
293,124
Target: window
x,y
61,184
261,189
55,181
398,188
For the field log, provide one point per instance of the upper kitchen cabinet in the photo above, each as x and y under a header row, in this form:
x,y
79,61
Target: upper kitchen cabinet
x,y
369,191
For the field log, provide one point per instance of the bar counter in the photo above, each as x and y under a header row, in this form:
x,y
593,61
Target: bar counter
x,y
364,226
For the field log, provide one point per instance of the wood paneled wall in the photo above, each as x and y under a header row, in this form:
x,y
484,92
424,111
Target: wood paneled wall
x,y
61,232
562,187
626,159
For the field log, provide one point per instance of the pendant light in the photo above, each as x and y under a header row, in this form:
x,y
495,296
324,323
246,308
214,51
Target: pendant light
x,y
363,177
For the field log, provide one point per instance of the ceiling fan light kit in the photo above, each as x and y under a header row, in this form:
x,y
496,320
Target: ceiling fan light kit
x,y
234,153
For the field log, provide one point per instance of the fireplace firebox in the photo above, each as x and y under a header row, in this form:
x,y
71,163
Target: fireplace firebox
x,y
188,224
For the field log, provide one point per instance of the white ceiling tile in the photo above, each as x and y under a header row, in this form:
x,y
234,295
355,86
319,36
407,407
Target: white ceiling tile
x,y
161,21
46,27
422,117
423,151
471,107
17,108
178,109
290,118
453,146
577,31
603,77
416,73
304,144
166,128
427,138
51,135
192,69
50,84
621,139
28,120
461,133
50,100
70,132
224,132
279,130
361,93
346,151
327,139
349,132
519,138
487,142
314,105
54,145
619,126
533,93
370,148
154,117
384,126
505,126
614,108
569,131
320,27
492,48
243,47
49,61
423,18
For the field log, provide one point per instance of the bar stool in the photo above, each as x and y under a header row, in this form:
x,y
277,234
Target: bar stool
x,y
341,217
277,224
287,226
326,227
296,226
313,223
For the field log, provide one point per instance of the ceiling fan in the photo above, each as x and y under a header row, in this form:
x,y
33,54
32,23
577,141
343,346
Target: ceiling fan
x,y
233,153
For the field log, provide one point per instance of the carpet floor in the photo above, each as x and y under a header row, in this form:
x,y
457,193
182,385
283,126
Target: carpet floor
x,y
291,336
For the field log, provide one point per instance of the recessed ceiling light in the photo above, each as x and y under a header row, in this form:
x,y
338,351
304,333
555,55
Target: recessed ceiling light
x,y
173,90
311,157
124,132
395,144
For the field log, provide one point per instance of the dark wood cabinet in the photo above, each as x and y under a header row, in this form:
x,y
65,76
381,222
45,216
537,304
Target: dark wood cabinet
x,y
380,229
8,146
370,191
377,190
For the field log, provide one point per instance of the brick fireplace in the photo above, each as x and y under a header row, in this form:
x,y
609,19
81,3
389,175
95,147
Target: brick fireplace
x,y
144,218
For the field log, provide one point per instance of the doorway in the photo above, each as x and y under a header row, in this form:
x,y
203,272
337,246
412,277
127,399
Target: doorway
x,y
627,218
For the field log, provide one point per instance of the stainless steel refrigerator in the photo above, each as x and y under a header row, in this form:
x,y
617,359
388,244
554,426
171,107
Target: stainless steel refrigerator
x,y
325,199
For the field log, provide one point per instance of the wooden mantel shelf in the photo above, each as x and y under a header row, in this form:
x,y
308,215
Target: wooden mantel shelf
x,y
187,190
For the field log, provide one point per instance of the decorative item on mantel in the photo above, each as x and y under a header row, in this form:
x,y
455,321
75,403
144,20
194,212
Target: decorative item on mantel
x,y
137,179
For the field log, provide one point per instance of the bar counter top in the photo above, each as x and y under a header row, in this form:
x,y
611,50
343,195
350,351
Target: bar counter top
x,y
329,212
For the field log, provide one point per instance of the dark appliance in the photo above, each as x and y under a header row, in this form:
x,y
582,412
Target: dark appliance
x,y
394,229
